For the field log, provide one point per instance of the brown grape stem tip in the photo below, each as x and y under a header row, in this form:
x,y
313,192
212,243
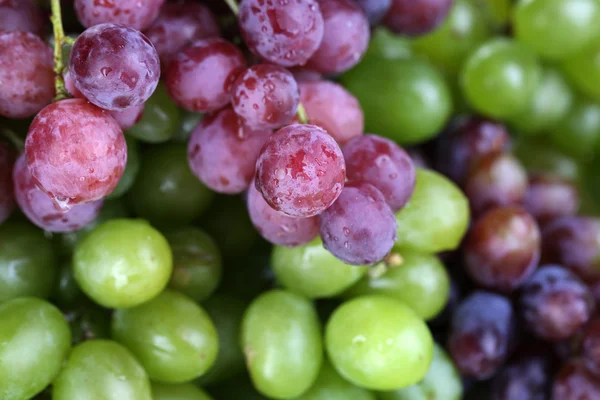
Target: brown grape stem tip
x,y
59,41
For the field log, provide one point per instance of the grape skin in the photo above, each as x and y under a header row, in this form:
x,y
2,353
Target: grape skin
x,y
26,73
137,14
574,382
21,15
114,67
76,152
375,10
416,17
549,197
7,201
128,117
300,170
590,346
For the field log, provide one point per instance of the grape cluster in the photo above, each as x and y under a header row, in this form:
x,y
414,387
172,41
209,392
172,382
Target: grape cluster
x,y
299,199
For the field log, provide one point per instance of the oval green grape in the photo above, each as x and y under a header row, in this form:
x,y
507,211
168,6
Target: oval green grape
x,y
578,133
386,44
182,391
331,386
160,120
583,69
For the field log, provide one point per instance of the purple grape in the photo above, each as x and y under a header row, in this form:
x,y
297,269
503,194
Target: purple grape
x,y
7,198
555,303
416,17
574,382
21,15
129,117
383,164
137,14
199,78
302,74
114,67
360,227
375,10
528,378
551,196
590,346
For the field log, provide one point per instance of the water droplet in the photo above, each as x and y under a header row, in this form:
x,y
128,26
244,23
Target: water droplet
x,y
255,106
346,244
346,231
393,176
381,161
62,204
105,71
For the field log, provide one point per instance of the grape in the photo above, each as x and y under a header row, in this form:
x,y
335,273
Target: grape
x,y
525,379
284,33
40,209
374,10
183,391
300,170
114,67
496,180
555,303
503,248
383,164
276,227
70,85
387,45
578,132
88,321
128,117
21,15
179,24
189,121
137,14
200,76
132,169
160,120
7,200
378,343
331,386
101,369
302,74
222,153
550,196
281,338
416,17
345,37
505,68
582,69
482,334
76,152
465,143
265,96
188,339
590,346
26,73
548,159
418,158
573,242
65,292
574,382
333,108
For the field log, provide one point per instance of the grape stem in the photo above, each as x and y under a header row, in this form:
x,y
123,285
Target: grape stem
x,y
233,5
392,260
59,41
12,137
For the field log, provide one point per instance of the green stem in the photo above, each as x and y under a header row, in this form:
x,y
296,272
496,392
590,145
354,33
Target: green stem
x,y
233,5
12,137
301,113
59,41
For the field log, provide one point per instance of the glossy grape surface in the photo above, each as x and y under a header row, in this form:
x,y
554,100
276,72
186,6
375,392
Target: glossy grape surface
x,y
128,117
331,386
183,391
375,10
138,14
583,70
550,196
578,132
160,120
416,17
21,15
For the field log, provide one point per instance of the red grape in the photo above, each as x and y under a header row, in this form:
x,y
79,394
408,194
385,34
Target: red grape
x,y
7,200
26,74
276,227
222,153
137,14
503,248
114,67
129,117
21,15
76,152
333,108
526,379
375,10
551,196
416,17
286,33
302,74
179,24
383,164
555,304
300,170
199,77
70,85
345,39
40,209
265,96
590,346
360,227
574,382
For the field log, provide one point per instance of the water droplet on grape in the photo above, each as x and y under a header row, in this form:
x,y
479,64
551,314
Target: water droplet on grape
x,y
346,231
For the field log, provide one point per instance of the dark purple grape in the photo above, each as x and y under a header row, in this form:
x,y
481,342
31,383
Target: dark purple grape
x,y
383,164
590,346
416,17
482,334
528,378
502,248
300,170
26,74
286,33
573,242
375,10
574,382
129,117
40,209
551,196
555,303
222,153
276,227
7,199
345,38
114,67
137,14
21,15
199,77
265,96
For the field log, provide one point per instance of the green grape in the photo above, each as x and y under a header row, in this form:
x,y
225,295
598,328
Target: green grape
x,y
583,69
412,101
578,133
66,292
282,343
548,159
226,312
331,386
388,45
447,46
166,192
589,189
550,103
131,169
88,321
123,263
312,271
555,29
160,120
442,382
34,341
196,262
500,78
378,343
421,282
101,369
182,391
496,13
27,262
436,218
189,121
172,337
